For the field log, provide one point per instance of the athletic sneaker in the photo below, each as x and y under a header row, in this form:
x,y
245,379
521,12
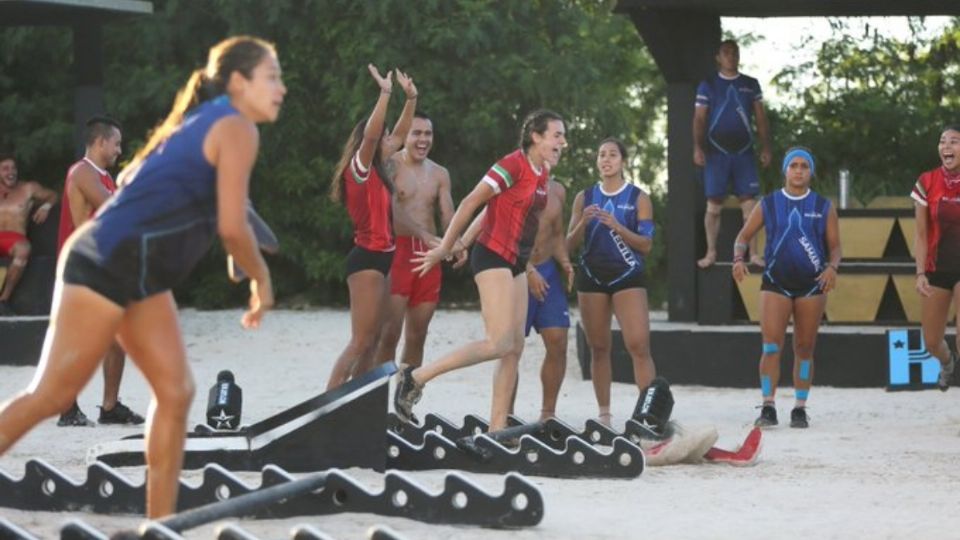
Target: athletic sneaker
x,y
120,414
74,417
407,394
946,372
768,416
798,418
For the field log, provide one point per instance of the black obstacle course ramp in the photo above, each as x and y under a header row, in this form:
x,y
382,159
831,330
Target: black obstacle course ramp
x,y
9,531
343,427
461,502
543,449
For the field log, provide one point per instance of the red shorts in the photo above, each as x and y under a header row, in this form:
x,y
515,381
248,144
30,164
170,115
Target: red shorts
x,y
8,239
404,282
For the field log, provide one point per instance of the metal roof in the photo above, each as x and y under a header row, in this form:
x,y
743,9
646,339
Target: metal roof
x,y
68,12
796,8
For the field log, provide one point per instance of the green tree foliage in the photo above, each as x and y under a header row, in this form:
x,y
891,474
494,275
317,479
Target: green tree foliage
x,y
875,106
480,66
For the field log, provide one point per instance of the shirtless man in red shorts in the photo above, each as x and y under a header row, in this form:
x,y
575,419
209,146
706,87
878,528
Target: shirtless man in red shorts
x,y
422,188
19,202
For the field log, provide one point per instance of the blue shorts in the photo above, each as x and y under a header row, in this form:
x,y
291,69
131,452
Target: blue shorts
x,y
552,312
723,168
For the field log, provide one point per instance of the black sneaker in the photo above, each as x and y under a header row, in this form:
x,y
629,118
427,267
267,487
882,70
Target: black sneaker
x,y
74,417
120,414
798,418
768,416
946,373
407,394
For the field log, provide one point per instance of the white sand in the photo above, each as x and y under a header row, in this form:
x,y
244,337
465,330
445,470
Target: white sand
x,y
872,465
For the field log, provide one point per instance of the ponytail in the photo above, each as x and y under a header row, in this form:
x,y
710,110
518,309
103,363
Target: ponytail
x,y
240,54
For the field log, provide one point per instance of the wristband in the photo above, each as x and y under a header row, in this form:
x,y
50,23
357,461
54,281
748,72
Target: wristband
x,y
46,206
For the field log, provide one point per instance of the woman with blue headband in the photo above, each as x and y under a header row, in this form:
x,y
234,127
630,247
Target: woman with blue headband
x,y
802,255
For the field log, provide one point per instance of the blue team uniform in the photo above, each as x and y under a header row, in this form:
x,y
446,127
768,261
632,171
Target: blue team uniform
x,y
729,151
796,251
552,312
149,237
606,259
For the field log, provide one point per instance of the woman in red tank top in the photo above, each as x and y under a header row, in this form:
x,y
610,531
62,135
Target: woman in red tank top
x,y
362,185
937,249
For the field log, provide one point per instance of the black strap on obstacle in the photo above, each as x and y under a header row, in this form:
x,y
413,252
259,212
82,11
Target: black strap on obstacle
x,y
243,505
541,449
461,502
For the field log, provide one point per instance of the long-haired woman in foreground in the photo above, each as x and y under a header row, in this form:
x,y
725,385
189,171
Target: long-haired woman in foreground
x,y
115,275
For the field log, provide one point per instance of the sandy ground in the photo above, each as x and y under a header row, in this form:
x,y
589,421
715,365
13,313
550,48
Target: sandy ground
x,y
872,465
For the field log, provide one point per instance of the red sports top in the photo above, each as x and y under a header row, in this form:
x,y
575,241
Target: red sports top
x,y
66,220
513,214
939,191
368,203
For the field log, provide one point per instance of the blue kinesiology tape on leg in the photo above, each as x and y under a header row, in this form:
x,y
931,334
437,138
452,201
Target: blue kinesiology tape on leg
x,y
766,387
805,370
802,394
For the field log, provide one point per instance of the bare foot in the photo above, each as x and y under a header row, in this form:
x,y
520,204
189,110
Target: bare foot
x,y
708,260
757,260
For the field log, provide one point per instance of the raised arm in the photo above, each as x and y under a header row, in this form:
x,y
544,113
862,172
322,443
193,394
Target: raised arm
x,y
399,134
373,132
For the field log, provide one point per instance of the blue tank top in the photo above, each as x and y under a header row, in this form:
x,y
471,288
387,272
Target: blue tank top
x,y
163,220
606,258
796,227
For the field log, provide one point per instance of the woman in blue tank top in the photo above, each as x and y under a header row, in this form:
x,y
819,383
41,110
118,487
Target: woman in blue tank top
x,y
802,256
115,274
614,221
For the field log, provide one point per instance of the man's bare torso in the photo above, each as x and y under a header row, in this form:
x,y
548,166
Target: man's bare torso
x,y
15,206
417,190
551,228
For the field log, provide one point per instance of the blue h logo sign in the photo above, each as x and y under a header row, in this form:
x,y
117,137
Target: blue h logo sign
x,y
911,366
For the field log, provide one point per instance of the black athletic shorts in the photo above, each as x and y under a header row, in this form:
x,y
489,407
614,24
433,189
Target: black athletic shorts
x,y
80,270
363,259
943,280
801,292
483,258
586,284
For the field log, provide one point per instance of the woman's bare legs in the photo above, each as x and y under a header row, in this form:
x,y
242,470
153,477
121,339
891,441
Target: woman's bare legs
x,y
82,326
150,333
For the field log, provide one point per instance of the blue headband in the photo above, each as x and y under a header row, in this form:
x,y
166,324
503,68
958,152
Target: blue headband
x,y
798,152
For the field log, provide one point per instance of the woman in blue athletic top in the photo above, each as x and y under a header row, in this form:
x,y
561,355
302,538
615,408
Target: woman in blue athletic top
x,y
614,221
115,275
802,255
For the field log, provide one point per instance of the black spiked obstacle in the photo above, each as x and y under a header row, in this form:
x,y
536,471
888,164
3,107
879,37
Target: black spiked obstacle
x,y
548,448
343,427
460,501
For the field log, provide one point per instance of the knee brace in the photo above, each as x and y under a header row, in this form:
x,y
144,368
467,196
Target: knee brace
x,y
770,348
